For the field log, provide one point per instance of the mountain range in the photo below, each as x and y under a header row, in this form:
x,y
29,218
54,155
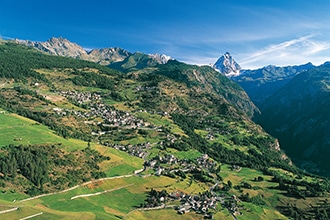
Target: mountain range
x,y
293,102
262,83
105,56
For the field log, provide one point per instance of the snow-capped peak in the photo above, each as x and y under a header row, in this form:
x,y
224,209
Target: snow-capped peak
x,y
227,65
161,58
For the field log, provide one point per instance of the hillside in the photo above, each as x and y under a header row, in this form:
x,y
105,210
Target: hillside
x,y
188,127
298,115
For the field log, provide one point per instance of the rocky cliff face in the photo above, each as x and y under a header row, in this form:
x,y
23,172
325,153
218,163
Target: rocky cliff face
x,y
227,65
58,46
107,56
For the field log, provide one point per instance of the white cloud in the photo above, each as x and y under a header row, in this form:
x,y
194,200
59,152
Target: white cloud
x,y
296,51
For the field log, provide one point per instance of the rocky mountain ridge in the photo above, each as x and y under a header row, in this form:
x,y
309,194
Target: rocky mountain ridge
x,y
104,56
261,83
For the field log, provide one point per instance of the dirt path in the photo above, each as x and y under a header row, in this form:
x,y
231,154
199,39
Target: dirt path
x,y
31,216
99,193
83,184
8,210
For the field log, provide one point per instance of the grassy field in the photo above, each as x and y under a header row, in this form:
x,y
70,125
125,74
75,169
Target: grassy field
x,y
259,212
118,203
159,120
18,130
120,163
163,214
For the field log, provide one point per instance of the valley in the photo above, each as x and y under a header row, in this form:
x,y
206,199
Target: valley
x,y
292,101
166,141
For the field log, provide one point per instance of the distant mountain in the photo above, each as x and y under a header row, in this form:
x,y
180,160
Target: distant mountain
x,y
298,114
58,46
140,60
160,58
259,83
104,56
107,56
227,65
262,83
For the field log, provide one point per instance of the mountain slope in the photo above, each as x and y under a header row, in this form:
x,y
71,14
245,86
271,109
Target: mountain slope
x,y
135,61
298,114
206,80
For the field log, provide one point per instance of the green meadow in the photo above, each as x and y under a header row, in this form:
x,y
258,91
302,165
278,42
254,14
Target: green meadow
x,y
127,194
18,130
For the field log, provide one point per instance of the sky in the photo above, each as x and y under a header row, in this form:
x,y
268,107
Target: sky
x,y
256,32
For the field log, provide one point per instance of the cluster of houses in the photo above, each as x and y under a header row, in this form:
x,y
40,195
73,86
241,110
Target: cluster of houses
x,y
204,203
110,116
80,97
184,165
206,162
201,203
138,150
115,118
158,164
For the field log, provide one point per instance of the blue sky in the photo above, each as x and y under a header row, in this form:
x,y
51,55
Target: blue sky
x,y
255,32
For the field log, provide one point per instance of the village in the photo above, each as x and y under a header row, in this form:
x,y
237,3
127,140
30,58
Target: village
x,y
202,203
165,164
96,109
